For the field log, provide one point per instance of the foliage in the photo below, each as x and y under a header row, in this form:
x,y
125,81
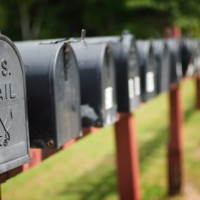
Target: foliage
x,y
61,18
30,19
184,14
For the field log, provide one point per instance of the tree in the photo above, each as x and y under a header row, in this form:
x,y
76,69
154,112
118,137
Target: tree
x,y
162,13
33,19
29,19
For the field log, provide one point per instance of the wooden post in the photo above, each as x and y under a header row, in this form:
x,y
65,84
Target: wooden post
x,y
175,149
36,158
127,158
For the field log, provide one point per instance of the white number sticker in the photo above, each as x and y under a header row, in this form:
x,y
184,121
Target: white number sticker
x,y
131,88
108,98
150,82
137,85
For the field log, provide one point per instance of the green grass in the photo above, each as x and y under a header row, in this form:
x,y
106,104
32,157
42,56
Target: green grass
x,y
87,170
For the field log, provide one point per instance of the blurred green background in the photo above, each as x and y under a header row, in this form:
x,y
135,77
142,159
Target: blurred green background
x,y
31,19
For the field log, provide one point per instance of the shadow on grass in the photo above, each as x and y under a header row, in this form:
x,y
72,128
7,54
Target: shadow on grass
x,y
148,152
148,149
188,113
96,184
100,182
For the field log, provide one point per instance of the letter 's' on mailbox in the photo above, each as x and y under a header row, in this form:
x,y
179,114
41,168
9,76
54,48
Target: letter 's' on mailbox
x,y
126,68
162,60
97,78
53,92
147,69
14,139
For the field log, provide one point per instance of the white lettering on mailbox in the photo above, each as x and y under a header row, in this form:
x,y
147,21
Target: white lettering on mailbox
x,y
108,98
150,82
7,93
6,89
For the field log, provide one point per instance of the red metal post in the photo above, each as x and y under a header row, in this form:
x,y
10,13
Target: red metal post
x,y
197,81
175,147
127,158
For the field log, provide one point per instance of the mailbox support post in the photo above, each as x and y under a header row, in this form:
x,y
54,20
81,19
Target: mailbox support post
x,y
36,158
175,149
127,158
197,81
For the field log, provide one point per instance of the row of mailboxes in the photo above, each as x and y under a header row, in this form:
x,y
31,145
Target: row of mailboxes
x,y
126,70
161,63
76,83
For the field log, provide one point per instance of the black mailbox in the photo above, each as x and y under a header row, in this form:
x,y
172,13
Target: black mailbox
x,y
147,69
14,138
196,57
97,81
126,68
53,92
187,56
162,62
175,60
190,56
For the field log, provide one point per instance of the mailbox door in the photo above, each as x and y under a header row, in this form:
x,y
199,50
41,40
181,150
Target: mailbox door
x,y
150,76
186,55
96,80
196,44
108,87
14,140
162,62
147,69
67,80
49,66
165,74
127,74
175,61
90,82
134,90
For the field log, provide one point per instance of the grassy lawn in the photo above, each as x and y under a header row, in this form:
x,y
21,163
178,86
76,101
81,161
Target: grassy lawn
x,y
87,170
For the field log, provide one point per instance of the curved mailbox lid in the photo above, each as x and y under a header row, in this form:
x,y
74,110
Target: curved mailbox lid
x,y
175,60
147,69
97,81
127,70
14,138
162,61
53,92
